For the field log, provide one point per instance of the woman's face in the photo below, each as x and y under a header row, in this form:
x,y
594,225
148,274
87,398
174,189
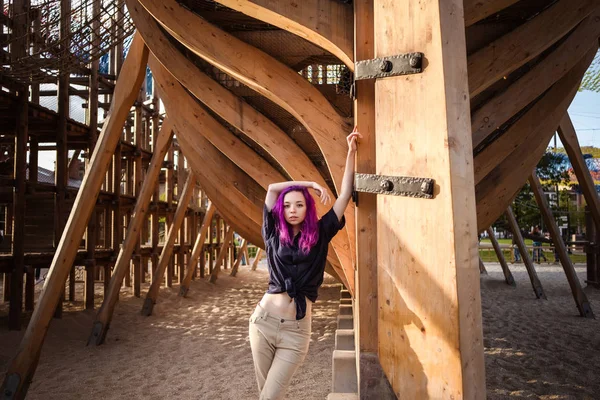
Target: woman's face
x,y
294,206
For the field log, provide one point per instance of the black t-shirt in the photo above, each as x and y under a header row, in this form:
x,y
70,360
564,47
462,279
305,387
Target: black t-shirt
x,y
292,271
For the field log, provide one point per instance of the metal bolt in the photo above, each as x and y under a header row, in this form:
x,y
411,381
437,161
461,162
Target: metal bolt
x,y
386,185
426,187
414,61
386,66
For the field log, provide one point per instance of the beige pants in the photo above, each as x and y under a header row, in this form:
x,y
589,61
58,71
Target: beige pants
x,y
278,348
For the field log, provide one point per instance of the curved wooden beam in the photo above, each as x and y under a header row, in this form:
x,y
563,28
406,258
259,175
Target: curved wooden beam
x,y
513,50
217,187
190,116
535,122
476,10
263,74
495,192
212,130
499,109
20,372
214,173
238,113
267,76
328,24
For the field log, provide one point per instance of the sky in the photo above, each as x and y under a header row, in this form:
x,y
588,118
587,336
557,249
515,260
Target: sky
x,y
585,115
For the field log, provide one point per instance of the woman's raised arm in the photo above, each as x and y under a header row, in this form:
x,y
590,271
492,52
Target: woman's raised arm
x,y
348,180
276,188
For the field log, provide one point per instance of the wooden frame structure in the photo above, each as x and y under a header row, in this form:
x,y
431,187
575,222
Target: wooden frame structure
x,y
250,94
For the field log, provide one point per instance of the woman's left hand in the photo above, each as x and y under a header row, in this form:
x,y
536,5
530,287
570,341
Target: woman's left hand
x,y
352,139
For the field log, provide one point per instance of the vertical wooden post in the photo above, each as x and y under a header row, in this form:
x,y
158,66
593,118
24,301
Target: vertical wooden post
x,y
482,269
257,259
20,371
137,123
535,281
509,279
226,240
165,255
18,50
238,260
429,301
102,322
568,137
90,262
213,227
169,188
92,120
365,301
197,251
33,177
583,305
592,250
61,137
117,221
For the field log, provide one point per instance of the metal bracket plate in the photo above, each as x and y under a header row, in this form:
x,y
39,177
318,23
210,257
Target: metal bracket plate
x,y
394,185
401,64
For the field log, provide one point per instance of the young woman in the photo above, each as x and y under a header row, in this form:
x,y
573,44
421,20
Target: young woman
x,y
296,245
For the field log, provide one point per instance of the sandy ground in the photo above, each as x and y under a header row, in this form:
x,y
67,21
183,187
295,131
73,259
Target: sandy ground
x,y
197,348
192,348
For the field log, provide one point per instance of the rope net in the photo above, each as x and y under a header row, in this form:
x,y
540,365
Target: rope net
x,y
91,35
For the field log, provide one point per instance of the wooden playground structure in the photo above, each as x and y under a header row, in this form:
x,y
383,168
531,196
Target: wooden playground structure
x,y
456,100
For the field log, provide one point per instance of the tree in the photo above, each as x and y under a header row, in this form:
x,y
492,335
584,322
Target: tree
x,y
552,171
591,79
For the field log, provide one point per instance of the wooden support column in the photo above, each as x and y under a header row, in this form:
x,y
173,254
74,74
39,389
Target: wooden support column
x,y
198,250
61,174
102,322
256,259
583,305
33,177
169,188
429,301
568,137
20,371
365,301
90,262
226,240
167,251
591,250
238,260
18,50
516,231
509,279
137,185
117,222
482,269
92,121
212,228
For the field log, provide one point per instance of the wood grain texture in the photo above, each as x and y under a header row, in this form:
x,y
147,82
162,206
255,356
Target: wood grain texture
x,y
125,93
430,333
328,24
495,191
514,49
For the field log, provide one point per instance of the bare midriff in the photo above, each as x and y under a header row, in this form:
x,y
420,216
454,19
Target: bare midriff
x,y
282,305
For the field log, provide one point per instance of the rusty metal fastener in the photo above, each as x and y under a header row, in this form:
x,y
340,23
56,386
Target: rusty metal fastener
x,y
386,66
414,61
386,185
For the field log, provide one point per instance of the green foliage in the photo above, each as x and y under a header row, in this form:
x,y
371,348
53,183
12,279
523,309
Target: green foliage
x,y
591,150
552,171
591,79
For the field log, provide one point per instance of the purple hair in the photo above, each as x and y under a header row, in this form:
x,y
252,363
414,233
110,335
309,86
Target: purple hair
x,y
309,227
